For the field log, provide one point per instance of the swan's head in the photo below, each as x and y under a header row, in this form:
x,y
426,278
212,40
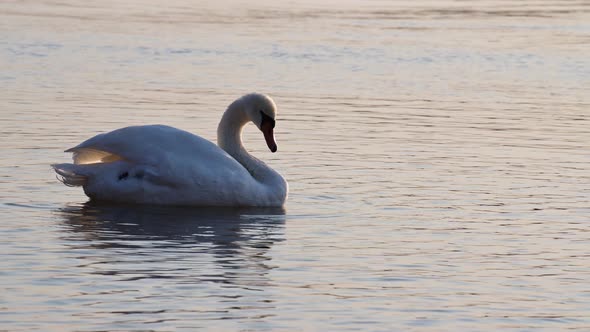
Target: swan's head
x,y
261,110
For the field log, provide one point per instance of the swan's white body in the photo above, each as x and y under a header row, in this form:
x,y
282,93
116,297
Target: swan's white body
x,y
163,165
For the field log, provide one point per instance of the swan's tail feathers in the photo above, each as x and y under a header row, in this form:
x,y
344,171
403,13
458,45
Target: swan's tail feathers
x,y
66,173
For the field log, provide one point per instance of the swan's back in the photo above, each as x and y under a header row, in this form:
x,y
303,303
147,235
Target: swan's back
x,y
148,144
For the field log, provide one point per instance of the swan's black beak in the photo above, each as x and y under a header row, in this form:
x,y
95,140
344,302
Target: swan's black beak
x,y
269,136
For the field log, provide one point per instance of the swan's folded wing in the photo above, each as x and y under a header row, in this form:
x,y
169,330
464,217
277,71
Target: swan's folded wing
x,y
130,143
170,156
148,145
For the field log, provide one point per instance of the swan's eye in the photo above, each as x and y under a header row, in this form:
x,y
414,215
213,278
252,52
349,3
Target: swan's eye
x,y
266,118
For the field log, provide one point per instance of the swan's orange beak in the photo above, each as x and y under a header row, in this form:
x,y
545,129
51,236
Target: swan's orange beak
x,y
269,136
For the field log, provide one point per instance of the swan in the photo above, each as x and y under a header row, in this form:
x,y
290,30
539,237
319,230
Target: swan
x,y
158,164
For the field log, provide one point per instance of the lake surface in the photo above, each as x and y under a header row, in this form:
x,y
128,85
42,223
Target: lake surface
x,y
437,154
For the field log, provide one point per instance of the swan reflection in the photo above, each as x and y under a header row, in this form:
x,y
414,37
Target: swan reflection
x,y
227,245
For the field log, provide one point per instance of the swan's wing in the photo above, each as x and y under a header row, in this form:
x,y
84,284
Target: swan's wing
x,y
162,155
150,145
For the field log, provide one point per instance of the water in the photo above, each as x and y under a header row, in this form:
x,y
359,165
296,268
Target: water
x,y
437,154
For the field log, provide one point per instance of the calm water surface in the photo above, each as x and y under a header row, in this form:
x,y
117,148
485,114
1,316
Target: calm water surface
x,y
437,154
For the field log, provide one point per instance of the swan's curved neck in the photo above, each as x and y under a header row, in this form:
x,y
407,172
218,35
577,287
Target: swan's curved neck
x,y
272,189
229,138
229,131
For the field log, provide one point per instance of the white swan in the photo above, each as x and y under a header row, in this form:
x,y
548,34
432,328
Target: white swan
x,y
163,165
